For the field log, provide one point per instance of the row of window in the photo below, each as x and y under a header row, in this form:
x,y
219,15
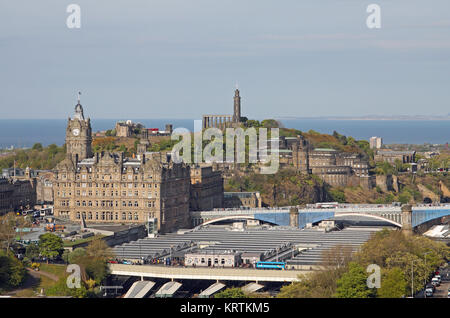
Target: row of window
x,y
108,216
150,204
105,176
111,193
106,185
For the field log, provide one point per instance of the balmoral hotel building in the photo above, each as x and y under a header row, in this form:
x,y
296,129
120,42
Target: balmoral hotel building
x,y
109,188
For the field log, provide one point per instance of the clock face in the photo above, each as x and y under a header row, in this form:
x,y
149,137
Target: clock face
x,y
76,132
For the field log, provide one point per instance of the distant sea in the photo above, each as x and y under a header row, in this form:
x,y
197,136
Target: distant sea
x,y
26,132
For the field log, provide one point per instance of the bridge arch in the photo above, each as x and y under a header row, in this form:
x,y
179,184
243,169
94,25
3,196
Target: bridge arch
x,y
380,218
232,217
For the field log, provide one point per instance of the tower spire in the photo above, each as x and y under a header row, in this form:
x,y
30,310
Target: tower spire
x,y
237,106
79,109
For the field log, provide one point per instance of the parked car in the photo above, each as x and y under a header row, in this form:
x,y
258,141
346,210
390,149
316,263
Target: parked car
x,y
429,292
435,281
439,278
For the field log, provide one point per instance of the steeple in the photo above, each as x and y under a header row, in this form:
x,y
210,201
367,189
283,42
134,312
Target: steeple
x,y
79,109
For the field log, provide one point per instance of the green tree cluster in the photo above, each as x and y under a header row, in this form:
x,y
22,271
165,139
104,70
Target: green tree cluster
x,y
37,157
231,293
12,271
93,260
405,262
415,256
338,195
50,246
353,283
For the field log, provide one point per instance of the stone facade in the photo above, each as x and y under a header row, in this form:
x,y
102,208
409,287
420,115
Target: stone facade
x,y
17,194
206,188
43,180
391,156
44,187
123,129
334,167
108,187
242,199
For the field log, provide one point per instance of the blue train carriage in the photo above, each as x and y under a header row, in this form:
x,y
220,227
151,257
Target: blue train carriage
x,y
271,265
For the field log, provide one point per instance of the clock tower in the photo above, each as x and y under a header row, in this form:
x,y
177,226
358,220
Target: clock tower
x,y
79,135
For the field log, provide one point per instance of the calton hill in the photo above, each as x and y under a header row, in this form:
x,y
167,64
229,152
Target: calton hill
x,y
287,186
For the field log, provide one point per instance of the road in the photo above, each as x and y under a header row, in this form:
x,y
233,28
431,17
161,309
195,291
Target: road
x,y
441,291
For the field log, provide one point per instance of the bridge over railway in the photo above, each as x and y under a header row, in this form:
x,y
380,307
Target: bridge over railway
x,y
407,217
206,273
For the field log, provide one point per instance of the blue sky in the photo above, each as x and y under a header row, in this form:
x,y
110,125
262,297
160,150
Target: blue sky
x,y
183,58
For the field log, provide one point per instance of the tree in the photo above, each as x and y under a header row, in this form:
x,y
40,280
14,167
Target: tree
x,y
414,269
76,255
65,256
271,123
338,195
253,123
393,283
231,293
321,284
98,252
32,251
50,245
353,283
12,271
37,146
93,260
7,230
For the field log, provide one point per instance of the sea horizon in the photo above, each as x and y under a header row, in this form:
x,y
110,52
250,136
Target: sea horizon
x,y
23,133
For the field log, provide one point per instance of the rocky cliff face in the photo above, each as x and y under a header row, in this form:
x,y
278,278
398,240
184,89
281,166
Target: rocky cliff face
x,y
426,193
445,191
387,183
287,187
